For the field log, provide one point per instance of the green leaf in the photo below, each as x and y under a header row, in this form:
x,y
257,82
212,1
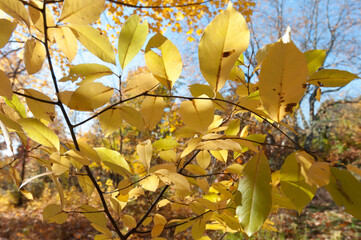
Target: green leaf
x,y
6,30
331,78
40,133
15,104
345,190
94,41
54,213
163,60
81,12
222,42
197,113
16,9
87,97
88,72
256,194
131,39
315,60
282,80
293,183
5,90
114,160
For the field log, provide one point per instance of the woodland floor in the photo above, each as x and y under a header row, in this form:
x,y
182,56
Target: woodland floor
x,y
317,221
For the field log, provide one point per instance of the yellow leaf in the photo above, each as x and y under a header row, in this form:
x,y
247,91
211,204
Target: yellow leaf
x,y
221,155
262,53
147,221
159,219
233,127
86,184
223,40
165,144
145,151
203,184
114,160
191,145
293,181
16,9
81,12
61,164
78,156
344,189
319,174
200,89
129,221
87,72
111,120
227,144
87,97
183,227
169,155
152,110
34,55
88,151
54,213
314,59
150,183
163,60
331,78
40,133
103,230
203,159
354,169
195,169
6,135
157,230
282,80
5,90
176,180
37,17
66,41
40,110
198,228
131,39
197,114
235,168
94,41
93,215
141,83
6,30
132,116
318,95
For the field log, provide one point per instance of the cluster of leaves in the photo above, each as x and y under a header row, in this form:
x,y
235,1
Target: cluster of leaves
x,y
178,170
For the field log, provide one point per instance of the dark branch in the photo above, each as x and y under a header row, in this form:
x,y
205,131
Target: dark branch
x,y
159,6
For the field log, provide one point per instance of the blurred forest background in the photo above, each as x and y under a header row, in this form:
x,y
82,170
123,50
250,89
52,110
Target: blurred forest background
x,y
328,123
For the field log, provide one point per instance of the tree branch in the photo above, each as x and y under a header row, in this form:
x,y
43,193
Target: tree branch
x,y
159,6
